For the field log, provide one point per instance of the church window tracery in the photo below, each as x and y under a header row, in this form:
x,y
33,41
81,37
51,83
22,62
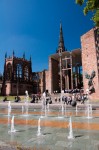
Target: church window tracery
x,y
26,73
19,71
9,71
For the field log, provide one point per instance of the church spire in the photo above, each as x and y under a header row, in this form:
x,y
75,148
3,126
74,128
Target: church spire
x,y
13,53
30,57
5,55
61,47
24,55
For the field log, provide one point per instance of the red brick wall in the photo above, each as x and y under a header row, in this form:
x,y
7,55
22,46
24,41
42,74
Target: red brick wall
x,y
53,75
89,58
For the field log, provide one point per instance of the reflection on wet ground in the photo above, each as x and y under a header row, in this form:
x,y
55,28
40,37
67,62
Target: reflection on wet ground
x,y
54,129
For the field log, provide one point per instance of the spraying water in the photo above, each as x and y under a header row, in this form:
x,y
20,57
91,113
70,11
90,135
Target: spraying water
x,y
9,105
12,126
76,109
9,108
39,128
48,106
70,130
9,111
22,109
65,109
89,111
26,102
61,112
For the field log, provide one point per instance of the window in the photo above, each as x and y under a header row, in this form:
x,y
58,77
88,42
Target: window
x,y
19,71
9,71
26,73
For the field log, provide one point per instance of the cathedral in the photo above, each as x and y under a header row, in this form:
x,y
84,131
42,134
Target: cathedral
x,y
66,69
17,76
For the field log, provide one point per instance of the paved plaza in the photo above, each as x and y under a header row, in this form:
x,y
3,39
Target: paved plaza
x,y
54,127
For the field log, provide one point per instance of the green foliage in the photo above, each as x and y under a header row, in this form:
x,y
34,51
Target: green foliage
x,y
96,18
93,6
12,98
80,2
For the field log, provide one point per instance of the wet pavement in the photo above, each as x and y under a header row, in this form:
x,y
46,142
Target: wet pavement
x,y
54,127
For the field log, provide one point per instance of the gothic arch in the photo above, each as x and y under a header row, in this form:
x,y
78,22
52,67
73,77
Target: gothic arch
x,y
9,71
19,70
26,73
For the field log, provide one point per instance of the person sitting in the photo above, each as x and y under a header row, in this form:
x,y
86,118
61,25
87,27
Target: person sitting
x,y
55,99
17,99
83,98
33,99
5,99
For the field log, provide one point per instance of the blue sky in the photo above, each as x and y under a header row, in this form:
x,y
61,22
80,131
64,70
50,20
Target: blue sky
x,y
32,26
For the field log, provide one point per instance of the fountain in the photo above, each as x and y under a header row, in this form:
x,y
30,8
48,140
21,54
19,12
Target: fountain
x,y
55,133
76,109
12,126
62,112
9,108
48,106
9,105
65,109
89,111
44,106
26,103
45,114
70,130
62,108
39,128
22,109
9,111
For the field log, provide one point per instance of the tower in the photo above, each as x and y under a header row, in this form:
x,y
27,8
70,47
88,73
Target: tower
x,y
61,47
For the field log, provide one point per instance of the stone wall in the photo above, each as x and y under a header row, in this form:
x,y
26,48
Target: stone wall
x,y
90,56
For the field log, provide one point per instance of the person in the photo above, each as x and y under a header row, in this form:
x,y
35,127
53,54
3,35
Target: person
x,y
66,101
5,99
82,99
50,101
33,99
69,99
55,99
17,99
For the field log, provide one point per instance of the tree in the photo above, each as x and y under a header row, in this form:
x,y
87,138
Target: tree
x,y
93,6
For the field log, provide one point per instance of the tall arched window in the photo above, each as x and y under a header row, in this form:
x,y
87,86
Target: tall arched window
x,y
26,73
9,71
19,71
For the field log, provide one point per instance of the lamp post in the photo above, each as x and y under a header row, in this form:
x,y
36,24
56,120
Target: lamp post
x,y
60,71
71,70
37,79
60,54
17,81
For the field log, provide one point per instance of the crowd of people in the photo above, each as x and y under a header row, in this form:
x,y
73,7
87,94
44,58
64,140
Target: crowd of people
x,y
78,97
74,95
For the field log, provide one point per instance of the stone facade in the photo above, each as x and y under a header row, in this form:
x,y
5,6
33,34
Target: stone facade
x,y
64,72
69,68
17,76
90,58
